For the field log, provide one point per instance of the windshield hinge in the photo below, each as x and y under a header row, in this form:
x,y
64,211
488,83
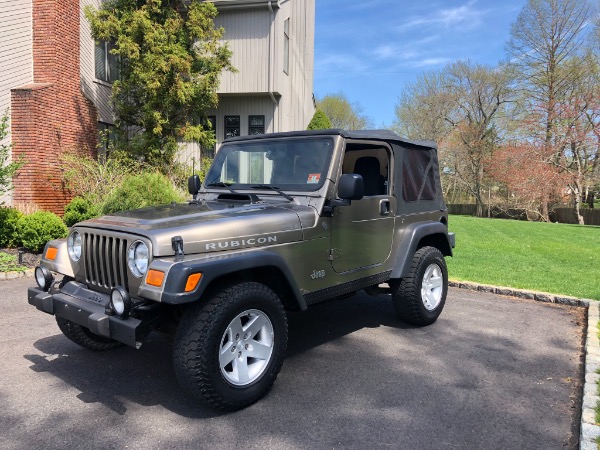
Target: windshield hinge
x,y
334,253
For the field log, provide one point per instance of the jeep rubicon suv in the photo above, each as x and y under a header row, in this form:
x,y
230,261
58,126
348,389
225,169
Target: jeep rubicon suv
x,y
282,222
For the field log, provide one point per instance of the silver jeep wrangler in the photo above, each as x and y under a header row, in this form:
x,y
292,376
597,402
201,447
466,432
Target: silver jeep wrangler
x,y
282,222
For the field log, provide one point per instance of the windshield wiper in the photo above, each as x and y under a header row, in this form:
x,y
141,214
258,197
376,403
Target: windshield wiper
x,y
273,188
222,184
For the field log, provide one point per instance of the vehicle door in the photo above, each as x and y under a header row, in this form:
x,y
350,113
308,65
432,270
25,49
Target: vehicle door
x,y
361,233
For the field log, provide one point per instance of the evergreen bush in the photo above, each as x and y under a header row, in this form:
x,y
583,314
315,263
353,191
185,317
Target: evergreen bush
x,y
40,227
78,210
139,191
9,236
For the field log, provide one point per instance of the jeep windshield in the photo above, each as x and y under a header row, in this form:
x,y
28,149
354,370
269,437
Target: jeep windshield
x,y
290,164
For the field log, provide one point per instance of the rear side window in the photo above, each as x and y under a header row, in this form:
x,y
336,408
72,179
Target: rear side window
x,y
418,179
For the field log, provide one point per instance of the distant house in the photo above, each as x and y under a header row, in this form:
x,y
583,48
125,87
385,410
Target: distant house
x,y
57,82
273,51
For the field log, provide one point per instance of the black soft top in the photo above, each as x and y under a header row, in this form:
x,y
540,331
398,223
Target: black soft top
x,y
378,135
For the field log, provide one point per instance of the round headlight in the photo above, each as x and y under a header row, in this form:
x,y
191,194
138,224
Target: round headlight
x,y
74,245
43,278
120,302
138,258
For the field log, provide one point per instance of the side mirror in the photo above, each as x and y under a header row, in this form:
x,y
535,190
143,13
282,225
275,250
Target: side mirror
x,y
351,187
194,185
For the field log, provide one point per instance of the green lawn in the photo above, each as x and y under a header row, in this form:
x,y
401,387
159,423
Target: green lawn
x,y
549,257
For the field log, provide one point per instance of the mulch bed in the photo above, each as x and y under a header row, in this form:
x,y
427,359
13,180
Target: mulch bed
x,y
30,260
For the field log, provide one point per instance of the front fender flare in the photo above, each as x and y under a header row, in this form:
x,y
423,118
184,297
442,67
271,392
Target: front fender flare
x,y
220,265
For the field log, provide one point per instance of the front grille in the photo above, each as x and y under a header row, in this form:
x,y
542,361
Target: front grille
x,y
105,261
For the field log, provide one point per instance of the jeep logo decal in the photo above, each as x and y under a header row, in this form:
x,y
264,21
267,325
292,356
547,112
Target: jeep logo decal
x,y
241,243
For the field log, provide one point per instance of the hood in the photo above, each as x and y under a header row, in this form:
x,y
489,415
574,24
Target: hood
x,y
208,226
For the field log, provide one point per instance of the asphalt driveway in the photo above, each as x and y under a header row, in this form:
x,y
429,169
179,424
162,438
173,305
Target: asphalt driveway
x,y
492,372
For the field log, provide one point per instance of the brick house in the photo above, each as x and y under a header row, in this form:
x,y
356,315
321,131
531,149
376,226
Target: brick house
x,y
56,82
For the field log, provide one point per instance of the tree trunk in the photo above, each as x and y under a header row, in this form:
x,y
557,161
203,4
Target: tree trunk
x,y
577,199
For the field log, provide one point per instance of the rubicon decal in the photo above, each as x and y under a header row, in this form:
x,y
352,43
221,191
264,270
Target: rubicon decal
x,y
222,245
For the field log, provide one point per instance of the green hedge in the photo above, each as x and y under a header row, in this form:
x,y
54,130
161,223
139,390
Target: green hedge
x,y
78,210
9,231
139,191
40,227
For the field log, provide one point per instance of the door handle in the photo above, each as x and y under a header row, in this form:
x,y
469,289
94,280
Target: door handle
x,y
384,207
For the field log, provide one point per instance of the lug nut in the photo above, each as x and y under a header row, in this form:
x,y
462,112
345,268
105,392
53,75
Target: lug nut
x,y
233,349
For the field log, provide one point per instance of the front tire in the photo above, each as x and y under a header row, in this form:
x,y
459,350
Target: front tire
x,y
84,337
228,350
419,298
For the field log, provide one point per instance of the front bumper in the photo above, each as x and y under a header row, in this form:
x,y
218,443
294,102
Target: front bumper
x,y
87,308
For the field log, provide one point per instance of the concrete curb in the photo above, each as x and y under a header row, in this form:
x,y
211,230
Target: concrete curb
x,y
522,293
589,430
13,275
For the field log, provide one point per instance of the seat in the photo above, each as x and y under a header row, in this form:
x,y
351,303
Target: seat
x,y
369,168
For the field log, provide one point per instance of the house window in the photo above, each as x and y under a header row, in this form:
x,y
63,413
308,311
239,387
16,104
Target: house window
x,y
286,46
209,122
232,126
107,138
106,64
256,125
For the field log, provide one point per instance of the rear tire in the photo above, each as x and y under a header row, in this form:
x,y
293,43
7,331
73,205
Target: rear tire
x,y
84,337
420,297
228,350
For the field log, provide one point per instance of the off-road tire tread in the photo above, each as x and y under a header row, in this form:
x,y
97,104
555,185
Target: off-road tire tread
x,y
406,293
84,337
194,332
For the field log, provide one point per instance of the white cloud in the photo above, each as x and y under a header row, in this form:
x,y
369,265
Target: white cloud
x,y
430,62
466,16
340,62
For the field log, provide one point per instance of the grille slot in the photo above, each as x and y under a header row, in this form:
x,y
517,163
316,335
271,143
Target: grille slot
x,y
105,261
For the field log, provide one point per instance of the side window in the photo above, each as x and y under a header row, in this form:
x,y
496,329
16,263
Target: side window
x,y
209,122
418,178
232,126
107,139
286,46
372,162
256,125
105,63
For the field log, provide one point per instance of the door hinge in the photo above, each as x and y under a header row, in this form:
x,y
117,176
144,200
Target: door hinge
x,y
334,253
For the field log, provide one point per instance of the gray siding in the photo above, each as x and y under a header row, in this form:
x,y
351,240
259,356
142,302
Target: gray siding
x,y
16,53
98,92
255,35
296,87
247,33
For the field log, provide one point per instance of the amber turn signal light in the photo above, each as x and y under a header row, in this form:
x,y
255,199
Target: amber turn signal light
x,y
51,253
192,282
155,278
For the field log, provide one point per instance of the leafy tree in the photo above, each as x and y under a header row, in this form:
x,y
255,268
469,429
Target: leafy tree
x,y
458,106
171,60
344,114
320,121
7,167
547,49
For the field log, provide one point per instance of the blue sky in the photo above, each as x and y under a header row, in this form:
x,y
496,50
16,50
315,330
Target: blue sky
x,y
368,49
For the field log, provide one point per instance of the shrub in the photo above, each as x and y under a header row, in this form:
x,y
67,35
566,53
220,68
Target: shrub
x,y
320,121
95,179
9,236
139,191
39,228
79,209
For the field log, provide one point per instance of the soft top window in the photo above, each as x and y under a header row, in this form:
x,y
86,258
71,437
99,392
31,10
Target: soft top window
x,y
418,178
